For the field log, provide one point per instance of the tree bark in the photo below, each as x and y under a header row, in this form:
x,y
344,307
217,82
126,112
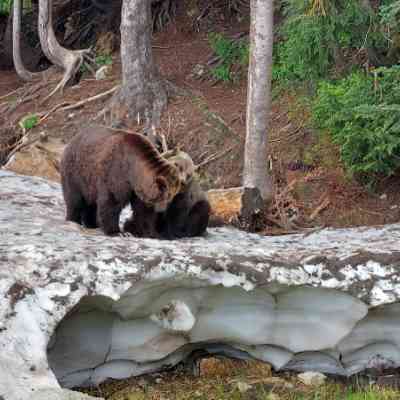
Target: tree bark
x,y
69,60
143,94
22,72
255,174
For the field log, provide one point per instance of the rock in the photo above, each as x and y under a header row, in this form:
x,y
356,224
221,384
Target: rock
x,y
198,71
243,387
102,73
383,196
79,307
40,159
311,378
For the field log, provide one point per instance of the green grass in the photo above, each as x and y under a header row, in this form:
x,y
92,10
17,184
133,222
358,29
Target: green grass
x,y
231,53
226,392
29,121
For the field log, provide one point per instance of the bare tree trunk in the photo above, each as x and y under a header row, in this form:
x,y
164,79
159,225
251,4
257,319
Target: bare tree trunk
x,y
69,60
22,72
143,94
6,51
255,174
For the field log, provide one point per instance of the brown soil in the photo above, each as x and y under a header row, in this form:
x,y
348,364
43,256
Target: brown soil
x,y
211,120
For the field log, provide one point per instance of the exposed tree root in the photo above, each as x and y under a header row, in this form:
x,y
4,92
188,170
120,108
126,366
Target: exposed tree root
x,y
163,11
69,60
76,59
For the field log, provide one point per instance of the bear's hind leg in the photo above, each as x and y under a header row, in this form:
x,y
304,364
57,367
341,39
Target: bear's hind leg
x,y
198,218
142,223
89,217
108,211
74,205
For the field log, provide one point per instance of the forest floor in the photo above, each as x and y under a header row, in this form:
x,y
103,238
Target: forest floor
x,y
209,123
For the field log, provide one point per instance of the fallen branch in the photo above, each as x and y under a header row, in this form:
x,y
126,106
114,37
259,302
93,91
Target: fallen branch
x,y
55,108
215,157
90,99
325,203
371,212
21,146
290,137
9,94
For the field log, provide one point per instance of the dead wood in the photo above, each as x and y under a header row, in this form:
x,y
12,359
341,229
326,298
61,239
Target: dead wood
x,y
90,99
242,207
214,157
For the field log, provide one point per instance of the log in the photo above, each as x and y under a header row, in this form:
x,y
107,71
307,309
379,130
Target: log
x,y
237,206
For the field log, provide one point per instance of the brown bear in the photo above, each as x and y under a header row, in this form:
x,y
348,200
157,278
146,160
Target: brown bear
x,y
186,216
102,170
183,163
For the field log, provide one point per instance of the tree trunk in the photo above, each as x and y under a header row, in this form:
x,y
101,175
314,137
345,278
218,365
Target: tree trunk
x,y
143,94
6,51
22,72
69,60
255,174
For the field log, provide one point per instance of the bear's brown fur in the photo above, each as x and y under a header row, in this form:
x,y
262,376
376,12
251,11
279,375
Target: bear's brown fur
x,y
103,170
184,164
186,216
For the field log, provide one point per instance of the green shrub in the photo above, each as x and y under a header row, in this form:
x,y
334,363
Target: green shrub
x,y
5,6
362,113
389,13
104,59
231,53
316,35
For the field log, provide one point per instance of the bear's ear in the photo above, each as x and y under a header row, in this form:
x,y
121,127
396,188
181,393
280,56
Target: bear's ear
x,y
162,184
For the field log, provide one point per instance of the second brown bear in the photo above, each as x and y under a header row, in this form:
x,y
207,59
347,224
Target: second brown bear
x,y
186,216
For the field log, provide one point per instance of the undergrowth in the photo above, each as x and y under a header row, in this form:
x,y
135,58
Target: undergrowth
x,y
29,122
5,7
318,36
233,54
362,114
